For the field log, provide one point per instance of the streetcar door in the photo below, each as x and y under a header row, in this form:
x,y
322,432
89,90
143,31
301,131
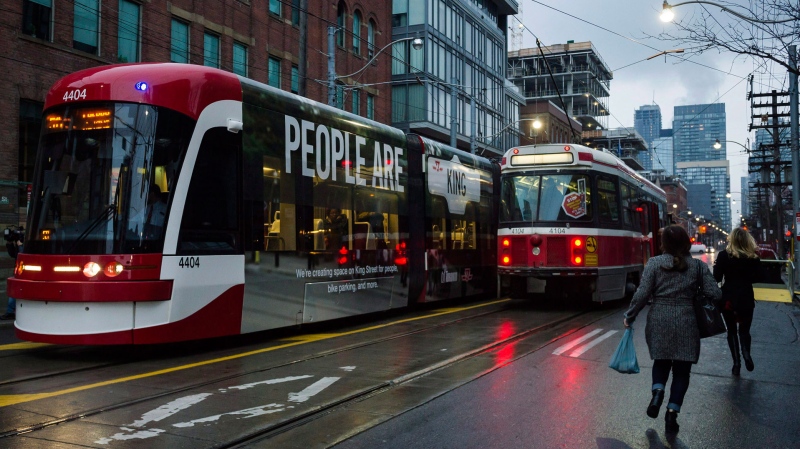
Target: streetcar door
x,y
648,218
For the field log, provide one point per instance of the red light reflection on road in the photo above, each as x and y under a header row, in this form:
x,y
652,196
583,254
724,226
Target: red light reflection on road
x,y
506,353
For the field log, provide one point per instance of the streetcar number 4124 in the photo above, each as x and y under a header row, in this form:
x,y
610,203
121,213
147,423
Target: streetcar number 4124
x,y
189,262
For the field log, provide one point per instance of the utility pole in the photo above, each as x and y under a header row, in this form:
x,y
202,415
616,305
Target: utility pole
x,y
793,123
301,54
332,66
453,111
766,160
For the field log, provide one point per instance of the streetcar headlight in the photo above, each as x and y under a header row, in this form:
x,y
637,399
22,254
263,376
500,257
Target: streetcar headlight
x,y
91,269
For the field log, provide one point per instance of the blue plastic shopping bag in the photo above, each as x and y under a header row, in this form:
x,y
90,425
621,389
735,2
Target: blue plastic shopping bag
x,y
624,358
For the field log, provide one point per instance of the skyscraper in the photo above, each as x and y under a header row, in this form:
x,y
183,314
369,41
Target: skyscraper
x,y
647,121
695,129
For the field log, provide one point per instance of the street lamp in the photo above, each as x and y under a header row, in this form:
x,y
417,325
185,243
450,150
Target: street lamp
x,y
416,43
718,144
677,50
667,15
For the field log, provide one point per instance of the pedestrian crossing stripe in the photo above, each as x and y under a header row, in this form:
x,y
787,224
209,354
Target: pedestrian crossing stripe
x,y
581,349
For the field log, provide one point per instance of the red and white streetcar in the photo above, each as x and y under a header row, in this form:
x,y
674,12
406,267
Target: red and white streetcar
x,y
575,220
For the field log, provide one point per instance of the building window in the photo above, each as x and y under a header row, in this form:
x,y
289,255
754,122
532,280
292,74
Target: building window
x,y
399,13
275,7
357,33
296,12
84,32
274,72
36,18
339,96
239,59
211,50
295,79
371,107
179,45
30,125
128,35
356,103
340,18
371,39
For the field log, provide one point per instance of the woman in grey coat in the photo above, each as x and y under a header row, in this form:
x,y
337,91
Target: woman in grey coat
x,y
669,282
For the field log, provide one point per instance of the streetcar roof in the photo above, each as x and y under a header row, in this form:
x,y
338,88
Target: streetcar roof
x,y
174,86
569,155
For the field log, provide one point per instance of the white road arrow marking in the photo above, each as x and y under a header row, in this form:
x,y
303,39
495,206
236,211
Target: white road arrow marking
x,y
266,382
312,389
249,412
170,409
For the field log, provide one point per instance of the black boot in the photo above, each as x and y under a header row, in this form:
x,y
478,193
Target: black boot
x,y
655,403
748,361
733,344
671,421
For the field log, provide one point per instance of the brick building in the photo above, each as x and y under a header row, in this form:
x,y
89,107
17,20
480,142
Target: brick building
x,y
265,40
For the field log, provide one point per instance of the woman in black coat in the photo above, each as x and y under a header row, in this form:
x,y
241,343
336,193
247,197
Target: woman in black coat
x,y
670,282
738,266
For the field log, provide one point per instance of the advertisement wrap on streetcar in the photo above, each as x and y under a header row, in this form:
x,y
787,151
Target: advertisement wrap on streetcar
x,y
574,220
176,202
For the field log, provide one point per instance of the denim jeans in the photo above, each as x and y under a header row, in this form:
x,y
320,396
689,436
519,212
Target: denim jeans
x,y
12,305
680,379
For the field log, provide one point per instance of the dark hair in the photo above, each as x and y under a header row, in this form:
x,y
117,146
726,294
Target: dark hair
x,y
675,242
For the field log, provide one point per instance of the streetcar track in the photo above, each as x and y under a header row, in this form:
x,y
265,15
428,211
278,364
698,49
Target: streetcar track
x,y
326,353
324,410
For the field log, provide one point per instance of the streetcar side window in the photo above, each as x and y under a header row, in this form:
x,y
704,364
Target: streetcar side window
x,y
210,221
607,207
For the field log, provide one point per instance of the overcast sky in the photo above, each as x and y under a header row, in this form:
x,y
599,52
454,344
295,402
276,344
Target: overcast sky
x,y
708,78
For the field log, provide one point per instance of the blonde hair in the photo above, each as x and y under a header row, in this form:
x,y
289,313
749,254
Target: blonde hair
x,y
741,244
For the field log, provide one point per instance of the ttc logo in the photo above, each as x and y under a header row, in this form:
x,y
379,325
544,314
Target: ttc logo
x,y
437,166
467,276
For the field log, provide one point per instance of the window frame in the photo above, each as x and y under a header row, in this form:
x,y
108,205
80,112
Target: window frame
x,y
206,54
138,43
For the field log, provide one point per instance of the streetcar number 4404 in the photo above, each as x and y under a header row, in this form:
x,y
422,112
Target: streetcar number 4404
x,y
76,94
189,262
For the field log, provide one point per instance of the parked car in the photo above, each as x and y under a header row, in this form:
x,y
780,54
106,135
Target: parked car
x,y
698,248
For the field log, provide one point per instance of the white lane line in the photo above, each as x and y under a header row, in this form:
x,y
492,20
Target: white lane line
x,y
591,344
570,345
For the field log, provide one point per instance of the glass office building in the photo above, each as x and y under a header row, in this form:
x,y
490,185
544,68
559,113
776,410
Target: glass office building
x,y
717,174
647,122
464,58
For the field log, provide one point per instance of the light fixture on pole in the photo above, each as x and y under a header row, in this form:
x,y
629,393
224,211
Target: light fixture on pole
x,y
718,145
667,15
665,52
416,44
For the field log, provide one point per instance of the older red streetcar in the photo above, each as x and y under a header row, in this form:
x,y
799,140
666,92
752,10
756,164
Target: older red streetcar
x,y
575,220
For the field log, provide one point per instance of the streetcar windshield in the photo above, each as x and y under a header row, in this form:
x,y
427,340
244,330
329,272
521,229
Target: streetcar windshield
x,y
552,197
104,177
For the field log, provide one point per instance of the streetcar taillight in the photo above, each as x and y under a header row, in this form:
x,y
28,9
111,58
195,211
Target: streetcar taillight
x,y
577,251
343,252
113,269
506,243
506,259
400,258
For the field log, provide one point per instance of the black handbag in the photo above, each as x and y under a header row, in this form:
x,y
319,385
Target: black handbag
x,y
709,317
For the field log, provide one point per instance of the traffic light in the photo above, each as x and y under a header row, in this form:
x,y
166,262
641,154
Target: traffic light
x,y
702,229
693,239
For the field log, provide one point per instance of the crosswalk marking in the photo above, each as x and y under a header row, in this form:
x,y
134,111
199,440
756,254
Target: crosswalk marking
x,y
591,344
570,345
